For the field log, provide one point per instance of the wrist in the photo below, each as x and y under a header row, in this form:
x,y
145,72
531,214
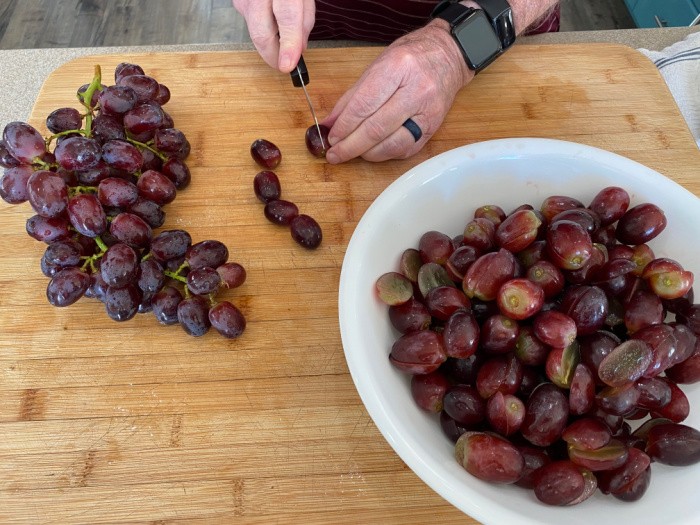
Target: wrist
x,y
440,30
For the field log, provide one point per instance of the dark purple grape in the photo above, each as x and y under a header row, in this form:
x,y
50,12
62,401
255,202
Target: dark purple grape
x,y
94,176
122,155
499,334
640,224
460,334
281,212
145,87
13,184
617,480
227,319
131,229
203,281
149,211
674,444
266,154
95,94
459,261
151,277
170,244
584,217
63,253
193,315
48,230
116,192
654,393
428,390
98,287
587,306
63,119
119,265
480,233
266,185
547,412
209,253
410,316
155,186
581,390
124,69
505,413
67,286
499,374
107,127
151,161
144,118
177,171
558,483
116,100
554,328
122,304
678,408
435,247
464,404
617,400
23,141
316,143
443,301
610,204
451,428
163,96
491,212
164,304
232,274
534,458
518,230
643,309
306,231
6,159
169,140
48,193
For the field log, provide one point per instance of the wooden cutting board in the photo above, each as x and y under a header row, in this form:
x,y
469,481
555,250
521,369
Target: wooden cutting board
x,y
105,422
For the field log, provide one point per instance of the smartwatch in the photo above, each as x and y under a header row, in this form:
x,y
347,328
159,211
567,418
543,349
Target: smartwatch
x,y
481,34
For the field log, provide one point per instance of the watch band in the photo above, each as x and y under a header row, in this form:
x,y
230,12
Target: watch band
x,y
498,12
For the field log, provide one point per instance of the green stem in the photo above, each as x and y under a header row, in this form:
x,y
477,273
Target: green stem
x,y
86,98
76,190
176,276
64,133
101,244
162,157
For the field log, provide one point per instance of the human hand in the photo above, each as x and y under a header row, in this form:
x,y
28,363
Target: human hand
x,y
279,29
416,77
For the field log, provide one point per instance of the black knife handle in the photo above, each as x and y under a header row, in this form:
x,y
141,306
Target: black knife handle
x,y
300,75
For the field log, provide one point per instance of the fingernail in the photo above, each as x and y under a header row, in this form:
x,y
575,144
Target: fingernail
x,y
332,157
286,63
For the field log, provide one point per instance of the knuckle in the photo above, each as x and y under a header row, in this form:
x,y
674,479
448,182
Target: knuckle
x,y
374,130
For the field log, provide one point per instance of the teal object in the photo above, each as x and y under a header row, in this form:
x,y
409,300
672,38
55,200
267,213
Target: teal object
x,y
663,13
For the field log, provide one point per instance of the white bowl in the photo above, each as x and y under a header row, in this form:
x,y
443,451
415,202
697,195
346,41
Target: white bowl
x,y
441,194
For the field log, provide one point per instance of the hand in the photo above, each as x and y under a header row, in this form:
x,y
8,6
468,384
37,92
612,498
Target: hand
x,y
279,29
416,77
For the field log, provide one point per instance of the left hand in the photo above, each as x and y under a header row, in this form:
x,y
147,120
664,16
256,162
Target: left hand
x,y
416,77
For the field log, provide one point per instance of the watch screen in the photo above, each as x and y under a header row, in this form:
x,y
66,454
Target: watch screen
x,y
478,38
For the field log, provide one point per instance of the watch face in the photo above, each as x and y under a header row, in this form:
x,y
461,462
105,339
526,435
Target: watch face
x,y
478,38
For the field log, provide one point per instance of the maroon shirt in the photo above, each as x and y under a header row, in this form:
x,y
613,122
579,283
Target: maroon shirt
x,y
384,21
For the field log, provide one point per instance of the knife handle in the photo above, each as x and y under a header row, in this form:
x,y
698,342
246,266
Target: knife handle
x,y
300,75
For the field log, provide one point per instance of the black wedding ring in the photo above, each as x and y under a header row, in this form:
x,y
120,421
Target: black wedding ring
x,y
413,128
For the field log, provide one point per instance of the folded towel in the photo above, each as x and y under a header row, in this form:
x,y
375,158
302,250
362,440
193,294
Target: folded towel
x,y
679,64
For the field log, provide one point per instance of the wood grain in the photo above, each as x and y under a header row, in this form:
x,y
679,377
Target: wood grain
x,y
102,422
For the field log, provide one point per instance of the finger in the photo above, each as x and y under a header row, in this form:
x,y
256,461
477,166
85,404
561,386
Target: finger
x,y
401,144
369,94
309,21
262,29
290,21
373,130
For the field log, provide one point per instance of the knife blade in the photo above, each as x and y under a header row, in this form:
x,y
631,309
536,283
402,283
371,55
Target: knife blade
x,y
300,78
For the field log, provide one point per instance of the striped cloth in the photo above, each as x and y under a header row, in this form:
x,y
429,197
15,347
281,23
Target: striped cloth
x,y
385,21
679,64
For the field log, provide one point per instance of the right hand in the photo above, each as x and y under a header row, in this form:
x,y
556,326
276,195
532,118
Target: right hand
x,y
279,29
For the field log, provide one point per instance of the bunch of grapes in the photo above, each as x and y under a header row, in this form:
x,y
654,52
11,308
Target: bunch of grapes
x,y
539,335
98,185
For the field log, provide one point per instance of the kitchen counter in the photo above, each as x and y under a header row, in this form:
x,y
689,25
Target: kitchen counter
x,y
25,70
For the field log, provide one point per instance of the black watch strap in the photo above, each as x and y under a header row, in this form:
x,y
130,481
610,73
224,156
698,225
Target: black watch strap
x,y
498,12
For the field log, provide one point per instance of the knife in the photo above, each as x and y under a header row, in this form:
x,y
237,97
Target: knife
x,y
300,78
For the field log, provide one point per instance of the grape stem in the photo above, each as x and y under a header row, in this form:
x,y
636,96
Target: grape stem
x,y
177,274
86,98
77,190
64,133
162,157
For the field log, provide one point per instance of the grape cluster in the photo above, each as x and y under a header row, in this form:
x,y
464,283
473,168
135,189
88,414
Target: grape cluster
x,y
538,336
266,185
98,195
